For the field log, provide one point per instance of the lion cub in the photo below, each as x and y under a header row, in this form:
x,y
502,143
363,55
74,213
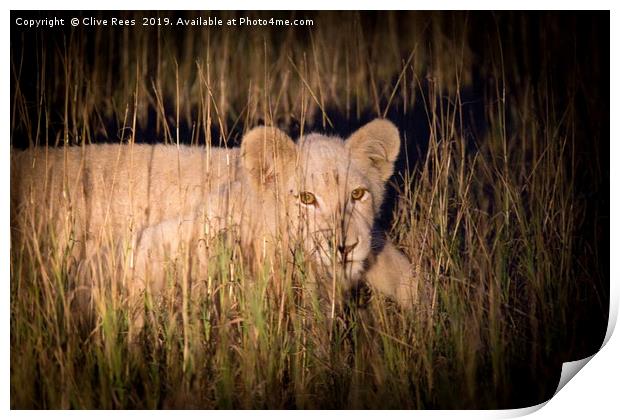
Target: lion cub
x,y
321,195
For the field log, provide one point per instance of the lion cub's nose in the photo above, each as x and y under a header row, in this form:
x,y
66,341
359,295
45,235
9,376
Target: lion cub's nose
x,y
345,250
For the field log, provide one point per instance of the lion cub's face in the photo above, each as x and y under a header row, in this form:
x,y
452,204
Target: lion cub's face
x,y
328,190
332,205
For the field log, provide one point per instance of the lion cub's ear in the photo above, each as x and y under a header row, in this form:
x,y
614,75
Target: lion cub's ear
x,y
375,146
266,152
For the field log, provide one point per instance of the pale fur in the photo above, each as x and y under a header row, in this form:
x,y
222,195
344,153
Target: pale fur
x,y
153,201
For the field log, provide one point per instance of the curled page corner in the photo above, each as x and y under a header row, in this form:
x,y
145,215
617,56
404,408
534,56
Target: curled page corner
x,y
569,370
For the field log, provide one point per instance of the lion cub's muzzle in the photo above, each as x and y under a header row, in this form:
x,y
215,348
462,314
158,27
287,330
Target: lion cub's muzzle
x,y
345,251
346,257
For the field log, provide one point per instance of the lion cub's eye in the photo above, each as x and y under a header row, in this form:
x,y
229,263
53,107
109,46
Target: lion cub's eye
x,y
307,198
358,193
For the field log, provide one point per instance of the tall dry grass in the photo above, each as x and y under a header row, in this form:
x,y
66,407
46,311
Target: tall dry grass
x,y
489,211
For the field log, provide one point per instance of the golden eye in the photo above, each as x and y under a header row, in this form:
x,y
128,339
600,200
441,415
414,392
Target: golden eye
x,y
358,193
307,198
